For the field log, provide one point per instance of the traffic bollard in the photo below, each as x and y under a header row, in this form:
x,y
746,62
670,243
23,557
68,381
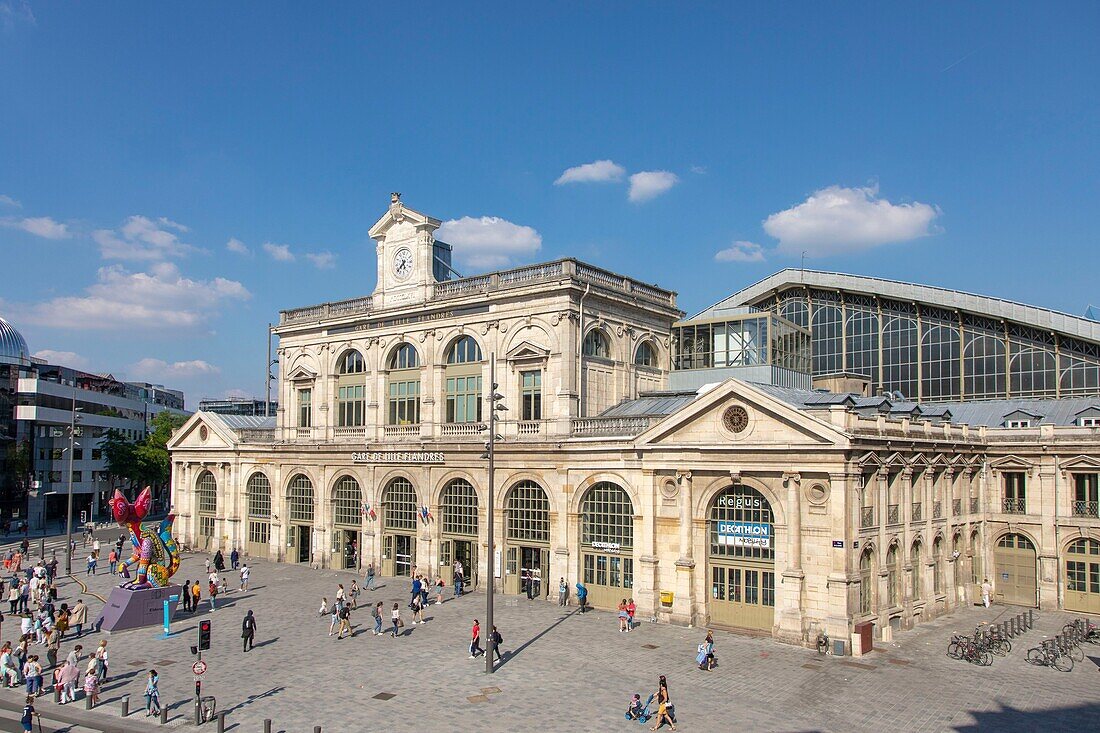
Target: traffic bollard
x,y
1031,618
57,693
164,715
87,701
198,712
221,722
316,729
267,725
125,705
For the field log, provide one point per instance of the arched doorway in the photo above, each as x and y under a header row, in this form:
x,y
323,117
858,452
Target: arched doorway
x,y
208,508
607,544
1014,559
741,559
527,534
458,537
299,497
347,503
1083,576
259,515
398,528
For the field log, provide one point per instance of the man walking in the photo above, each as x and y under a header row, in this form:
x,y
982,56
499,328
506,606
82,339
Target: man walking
x,y
496,640
987,592
78,617
370,576
248,630
185,595
245,572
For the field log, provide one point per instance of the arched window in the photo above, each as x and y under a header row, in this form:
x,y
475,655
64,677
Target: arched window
x,y
741,508
403,387
528,513
348,501
899,355
463,351
937,565
940,362
1084,546
646,355
300,499
1016,540
596,344
351,362
607,517
1031,371
404,356
399,505
827,334
866,581
915,564
861,343
893,577
458,505
984,366
259,496
208,503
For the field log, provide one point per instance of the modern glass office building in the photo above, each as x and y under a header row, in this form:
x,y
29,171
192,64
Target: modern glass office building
x,y
927,343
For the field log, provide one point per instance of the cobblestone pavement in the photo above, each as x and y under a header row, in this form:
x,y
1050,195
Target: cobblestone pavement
x,y
563,671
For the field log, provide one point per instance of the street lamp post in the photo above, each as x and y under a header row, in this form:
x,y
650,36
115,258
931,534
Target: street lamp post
x,y
494,401
69,510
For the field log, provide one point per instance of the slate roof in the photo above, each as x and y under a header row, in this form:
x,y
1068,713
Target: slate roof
x,y
241,422
651,404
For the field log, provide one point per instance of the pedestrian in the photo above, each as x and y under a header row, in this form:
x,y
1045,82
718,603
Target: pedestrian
x,y
353,594
13,598
439,586
62,620
53,646
9,667
345,622
32,675
987,592
395,617
582,597
208,566
460,578
91,563
196,595
416,587
475,640
496,639
418,610
665,711
334,618
370,576
376,613
212,590
324,607
525,583
235,559
152,694
79,617
219,561
74,655
245,572
95,546
631,608
705,656
29,714
424,590
341,596
91,687
70,675
185,596
248,630
112,561
623,615
563,592
102,662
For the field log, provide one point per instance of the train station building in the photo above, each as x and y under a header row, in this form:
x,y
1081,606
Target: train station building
x,y
705,467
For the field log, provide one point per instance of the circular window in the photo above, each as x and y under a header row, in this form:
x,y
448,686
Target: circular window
x,y
735,419
817,494
203,433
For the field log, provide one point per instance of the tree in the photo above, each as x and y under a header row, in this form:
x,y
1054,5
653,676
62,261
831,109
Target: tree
x,y
121,458
152,454
16,477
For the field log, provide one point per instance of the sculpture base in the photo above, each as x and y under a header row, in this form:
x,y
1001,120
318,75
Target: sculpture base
x,y
135,609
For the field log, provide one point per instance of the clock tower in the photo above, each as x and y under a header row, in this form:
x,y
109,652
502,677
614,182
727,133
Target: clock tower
x,y
410,261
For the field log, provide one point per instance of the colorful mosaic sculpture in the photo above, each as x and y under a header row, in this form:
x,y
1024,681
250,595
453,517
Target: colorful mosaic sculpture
x,y
156,556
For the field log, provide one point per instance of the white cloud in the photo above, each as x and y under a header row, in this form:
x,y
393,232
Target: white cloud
x,y
16,11
40,226
837,220
9,201
235,393
740,251
489,241
236,245
63,358
699,170
279,252
141,238
599,171
651,184
158,370
121,300
322,260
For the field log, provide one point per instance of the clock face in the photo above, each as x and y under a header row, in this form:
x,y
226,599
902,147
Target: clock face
x,y
402,263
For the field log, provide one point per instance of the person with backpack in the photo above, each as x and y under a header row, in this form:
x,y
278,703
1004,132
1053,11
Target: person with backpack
x,y
370,576
496,640
582,597
248,630
345,621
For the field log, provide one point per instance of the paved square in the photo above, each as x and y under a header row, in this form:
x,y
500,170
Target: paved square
x,y
563,671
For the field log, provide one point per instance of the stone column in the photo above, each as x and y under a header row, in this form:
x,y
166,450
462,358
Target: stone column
x,y
1047,550
683,606
790,617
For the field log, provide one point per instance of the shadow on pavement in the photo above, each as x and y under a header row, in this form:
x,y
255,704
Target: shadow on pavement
x,y
510,655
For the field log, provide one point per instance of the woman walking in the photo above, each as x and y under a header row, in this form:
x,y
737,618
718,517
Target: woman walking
x,y
418,610
101,661
439,586
475,640
563,592
631,608
664,706
623,616
152,694
395,617
354,594
334,618
705,657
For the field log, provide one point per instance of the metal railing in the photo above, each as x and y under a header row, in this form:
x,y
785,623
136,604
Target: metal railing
x,y
867,517
893,514
1013,506
937,509
610,425
916,511
1086,509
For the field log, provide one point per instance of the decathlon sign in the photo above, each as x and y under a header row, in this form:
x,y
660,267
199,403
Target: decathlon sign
x,y
745,534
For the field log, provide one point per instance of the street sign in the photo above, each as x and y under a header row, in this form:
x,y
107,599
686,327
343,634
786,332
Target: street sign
x,y
83,516
838,543
199,668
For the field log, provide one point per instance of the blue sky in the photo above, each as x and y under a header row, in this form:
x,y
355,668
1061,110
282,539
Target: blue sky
x,y
945,143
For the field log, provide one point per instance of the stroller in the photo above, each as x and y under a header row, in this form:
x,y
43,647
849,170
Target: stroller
x,y
639,712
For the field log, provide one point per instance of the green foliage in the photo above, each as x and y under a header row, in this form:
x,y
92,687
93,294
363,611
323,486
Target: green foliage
x,y
146,463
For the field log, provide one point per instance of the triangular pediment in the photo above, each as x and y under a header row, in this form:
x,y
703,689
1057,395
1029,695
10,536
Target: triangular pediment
x,y
1010,463
202,430
397,214
708,420
301,374
1081,463
527,351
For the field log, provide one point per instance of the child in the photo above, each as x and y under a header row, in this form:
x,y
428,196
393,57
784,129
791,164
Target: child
x,y
91,686
29,714
324,607
634,709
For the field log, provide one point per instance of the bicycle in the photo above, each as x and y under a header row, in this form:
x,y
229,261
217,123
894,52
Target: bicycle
x,y
991,639
1047,655
1070,647
1083,630
823,646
